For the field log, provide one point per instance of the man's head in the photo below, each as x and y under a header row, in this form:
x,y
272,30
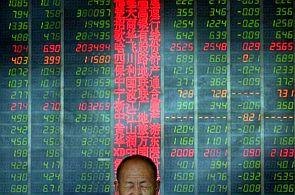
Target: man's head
x,y
137,175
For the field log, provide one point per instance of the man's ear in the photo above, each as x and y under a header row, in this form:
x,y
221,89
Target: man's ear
x,y
157,186
116,185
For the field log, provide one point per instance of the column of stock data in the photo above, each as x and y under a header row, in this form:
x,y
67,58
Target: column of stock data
x,y
45,96
179,165
245,101
212,90
87,96
279,97
14,71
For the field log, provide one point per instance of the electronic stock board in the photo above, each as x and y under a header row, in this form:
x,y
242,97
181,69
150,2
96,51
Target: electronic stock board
x,y
205,88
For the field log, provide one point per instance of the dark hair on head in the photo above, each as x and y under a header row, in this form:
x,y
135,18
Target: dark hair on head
x,y
137,157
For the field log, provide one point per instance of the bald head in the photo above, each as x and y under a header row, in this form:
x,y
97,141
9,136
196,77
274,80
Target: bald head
x,y
137,175
136,159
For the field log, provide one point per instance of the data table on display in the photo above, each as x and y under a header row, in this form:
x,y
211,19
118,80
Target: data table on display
x,y
205,88
87,95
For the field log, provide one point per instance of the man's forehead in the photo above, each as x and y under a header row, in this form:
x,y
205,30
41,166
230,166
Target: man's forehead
x,y
137,168
136,163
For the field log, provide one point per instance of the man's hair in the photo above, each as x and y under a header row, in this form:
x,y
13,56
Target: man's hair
x,y
137,157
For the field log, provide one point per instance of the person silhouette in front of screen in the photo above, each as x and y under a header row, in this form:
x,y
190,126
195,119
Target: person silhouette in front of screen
x,y
137,175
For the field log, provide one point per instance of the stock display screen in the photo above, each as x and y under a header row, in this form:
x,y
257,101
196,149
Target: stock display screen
x,y
205,88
